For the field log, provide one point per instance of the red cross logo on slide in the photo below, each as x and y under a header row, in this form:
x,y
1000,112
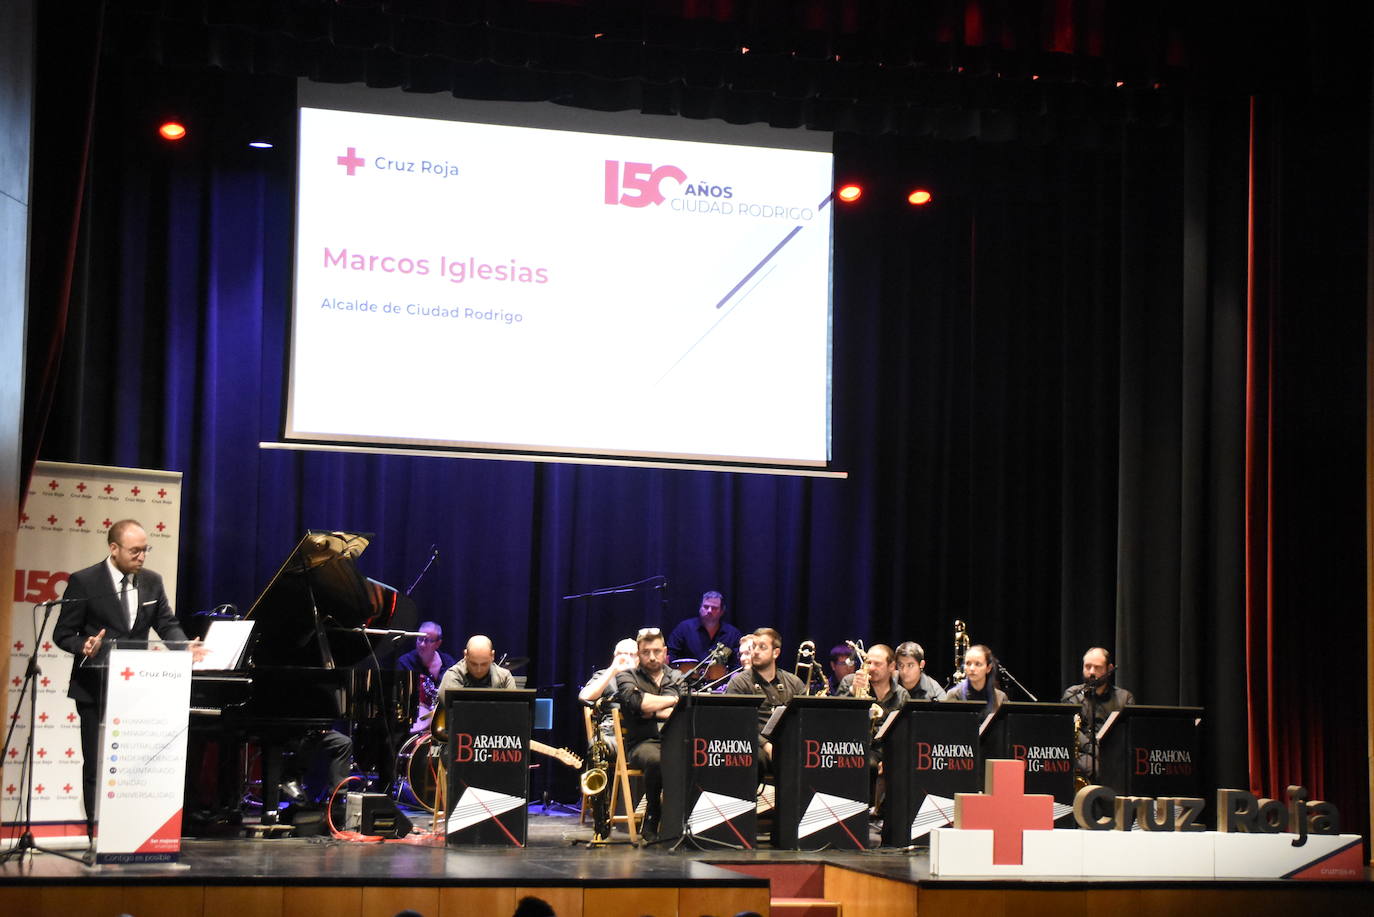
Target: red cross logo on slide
x,y
81,487
80,521
69,752
1005,809
352,161
41,753
52,485
109,488
160,526
162,492
127,673
10,789
52,520
43,718
67,788
135,491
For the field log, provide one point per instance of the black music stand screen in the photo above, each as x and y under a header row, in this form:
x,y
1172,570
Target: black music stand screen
x,y
711,770
489,766
820,754
1042,735
930,752
1152,751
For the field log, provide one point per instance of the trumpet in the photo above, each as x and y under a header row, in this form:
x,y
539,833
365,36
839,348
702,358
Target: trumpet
x,y
961,644
806,661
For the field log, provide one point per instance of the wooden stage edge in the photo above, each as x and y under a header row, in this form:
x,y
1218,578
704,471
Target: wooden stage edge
x,y
240,878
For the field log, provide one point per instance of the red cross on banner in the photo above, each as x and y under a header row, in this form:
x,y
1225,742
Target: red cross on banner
x,y
127,673
1006,810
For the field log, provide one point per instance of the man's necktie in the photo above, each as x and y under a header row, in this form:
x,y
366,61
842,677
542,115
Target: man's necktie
x,y
130,610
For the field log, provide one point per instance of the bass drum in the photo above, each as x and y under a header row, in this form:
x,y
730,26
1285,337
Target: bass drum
x,y
417,773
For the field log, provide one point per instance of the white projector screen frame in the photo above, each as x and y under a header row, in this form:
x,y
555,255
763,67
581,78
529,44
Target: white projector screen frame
x,y
537,291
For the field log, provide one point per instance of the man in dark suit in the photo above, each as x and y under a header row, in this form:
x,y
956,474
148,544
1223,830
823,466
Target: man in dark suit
x,y
116,599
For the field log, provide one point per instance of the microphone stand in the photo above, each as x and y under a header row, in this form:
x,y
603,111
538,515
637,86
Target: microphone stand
x,y
657,581
25,841
1002,670
433,556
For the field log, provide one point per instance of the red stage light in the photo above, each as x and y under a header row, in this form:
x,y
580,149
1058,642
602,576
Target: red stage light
x,y
849,193
919,197
171,130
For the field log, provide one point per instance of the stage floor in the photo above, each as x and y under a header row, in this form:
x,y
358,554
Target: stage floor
x,y
220,876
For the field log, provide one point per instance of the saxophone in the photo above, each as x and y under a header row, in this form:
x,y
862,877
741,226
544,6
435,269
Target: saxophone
x,y
806,661
595,780
1079,781
875,712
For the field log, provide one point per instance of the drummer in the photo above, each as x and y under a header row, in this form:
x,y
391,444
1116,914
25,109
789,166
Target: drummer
x,y
695,637
431,663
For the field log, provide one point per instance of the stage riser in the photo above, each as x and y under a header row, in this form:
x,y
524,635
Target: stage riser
x,y
373,901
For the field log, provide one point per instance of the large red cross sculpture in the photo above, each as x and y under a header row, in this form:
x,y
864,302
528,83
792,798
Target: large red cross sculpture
x,y
1005,809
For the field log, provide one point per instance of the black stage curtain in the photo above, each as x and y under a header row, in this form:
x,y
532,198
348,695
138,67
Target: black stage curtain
x,y
1045,394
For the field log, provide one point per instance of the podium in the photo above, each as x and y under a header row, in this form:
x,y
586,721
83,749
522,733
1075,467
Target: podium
x,y
931,751
820,755
1042,735
711,769
488,765
1151,751
142,770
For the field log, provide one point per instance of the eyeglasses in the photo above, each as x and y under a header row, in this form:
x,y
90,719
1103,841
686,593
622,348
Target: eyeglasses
x,y
138,552
648,632
428,639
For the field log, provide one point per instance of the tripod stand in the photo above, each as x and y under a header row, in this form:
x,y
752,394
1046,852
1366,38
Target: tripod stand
x,y
32,672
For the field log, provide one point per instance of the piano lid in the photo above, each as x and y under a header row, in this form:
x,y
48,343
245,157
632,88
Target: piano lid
x,y
320,574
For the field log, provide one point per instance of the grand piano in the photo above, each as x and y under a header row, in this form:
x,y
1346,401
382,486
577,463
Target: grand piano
x,y
310,664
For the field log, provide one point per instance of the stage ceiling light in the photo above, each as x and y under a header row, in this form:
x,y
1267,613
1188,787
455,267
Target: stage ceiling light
x,y
849,193
261,144
171,130
919,197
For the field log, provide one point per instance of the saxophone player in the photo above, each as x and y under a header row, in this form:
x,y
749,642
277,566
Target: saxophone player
x,y
1098,697
878,680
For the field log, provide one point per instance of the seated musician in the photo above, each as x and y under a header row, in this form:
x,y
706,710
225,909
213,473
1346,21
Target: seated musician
x,y
430,663
841,665
878,680
911,673
763,677
647,694
602,683
980,679
694,638
477,669
1099,696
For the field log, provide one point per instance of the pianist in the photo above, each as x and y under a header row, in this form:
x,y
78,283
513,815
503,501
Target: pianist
x,y
115,599
477,669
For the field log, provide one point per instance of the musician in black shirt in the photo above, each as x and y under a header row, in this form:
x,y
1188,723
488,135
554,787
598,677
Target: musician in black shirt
x,y
648,693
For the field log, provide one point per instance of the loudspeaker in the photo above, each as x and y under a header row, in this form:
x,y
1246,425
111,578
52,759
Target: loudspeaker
x,y
375,814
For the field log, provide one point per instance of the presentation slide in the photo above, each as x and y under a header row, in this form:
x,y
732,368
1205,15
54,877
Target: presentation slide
x,y
467,285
